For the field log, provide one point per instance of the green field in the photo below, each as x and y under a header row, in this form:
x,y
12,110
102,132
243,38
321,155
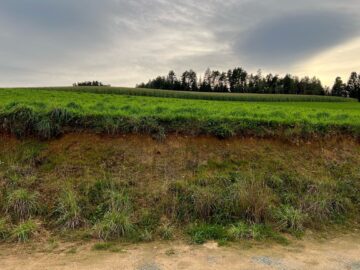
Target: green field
x,y
199,95
48,112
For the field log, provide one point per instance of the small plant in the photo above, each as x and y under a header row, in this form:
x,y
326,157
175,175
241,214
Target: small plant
x,y
69,210
166,232
170,252
201,233
22,204
118,201
4,229
24,231
146,236
114,225
72,250
290,219
239,231
222,131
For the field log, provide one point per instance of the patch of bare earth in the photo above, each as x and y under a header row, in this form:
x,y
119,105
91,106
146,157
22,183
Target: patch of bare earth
x,y
342,252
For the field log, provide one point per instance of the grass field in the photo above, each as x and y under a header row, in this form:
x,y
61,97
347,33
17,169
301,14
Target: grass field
x,y
48,112
199,95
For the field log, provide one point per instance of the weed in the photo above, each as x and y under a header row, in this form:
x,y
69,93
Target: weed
x,y
203,232
239,231
68,210
22,204
72,250
170,252
114,225
103,246
24,231
290,219
4,229
146,236
118,201
166,232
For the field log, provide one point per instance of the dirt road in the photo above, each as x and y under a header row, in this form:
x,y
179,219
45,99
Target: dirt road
x,y
338,253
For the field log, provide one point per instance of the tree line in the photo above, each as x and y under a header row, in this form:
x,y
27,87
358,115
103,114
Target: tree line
x,y
89,83
349,89
238,80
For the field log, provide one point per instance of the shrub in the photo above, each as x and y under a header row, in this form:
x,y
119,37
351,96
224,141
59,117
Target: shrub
x,y
24,231
22,204
68,210
114,225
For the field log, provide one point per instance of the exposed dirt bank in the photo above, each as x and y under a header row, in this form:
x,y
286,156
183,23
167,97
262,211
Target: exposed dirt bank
x,y
313,176
339,253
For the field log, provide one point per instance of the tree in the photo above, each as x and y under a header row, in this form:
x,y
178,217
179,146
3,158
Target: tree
x,y
189,80
238,80
89,83
353,86
288,84
339,88
205,85
171,77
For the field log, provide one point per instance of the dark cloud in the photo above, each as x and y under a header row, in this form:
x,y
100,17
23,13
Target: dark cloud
x,y
124,42
288,39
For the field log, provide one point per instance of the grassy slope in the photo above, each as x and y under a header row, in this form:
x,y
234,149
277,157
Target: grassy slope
x,y
163,189
122,113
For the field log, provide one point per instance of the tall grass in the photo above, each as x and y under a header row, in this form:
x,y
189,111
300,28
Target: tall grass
x,y
22,204
4,229
68,210
24,231
114,225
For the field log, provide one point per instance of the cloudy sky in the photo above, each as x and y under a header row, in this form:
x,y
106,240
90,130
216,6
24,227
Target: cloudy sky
x,y
124,42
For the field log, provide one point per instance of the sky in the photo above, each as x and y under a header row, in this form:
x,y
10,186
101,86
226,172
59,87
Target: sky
x,y
125,42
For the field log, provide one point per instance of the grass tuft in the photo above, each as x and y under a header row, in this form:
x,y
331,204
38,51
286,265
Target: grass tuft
x,y
21,204
24,231
114,225
68,210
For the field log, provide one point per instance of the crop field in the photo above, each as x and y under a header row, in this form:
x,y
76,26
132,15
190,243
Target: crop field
x,y
199,95
47,112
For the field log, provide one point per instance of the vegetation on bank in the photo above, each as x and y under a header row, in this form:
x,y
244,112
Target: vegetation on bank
x,y
48,113
113,190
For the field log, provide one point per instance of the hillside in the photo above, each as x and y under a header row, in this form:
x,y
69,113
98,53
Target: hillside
x,y
81,165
